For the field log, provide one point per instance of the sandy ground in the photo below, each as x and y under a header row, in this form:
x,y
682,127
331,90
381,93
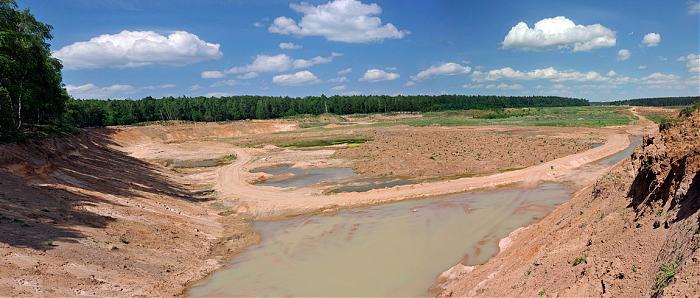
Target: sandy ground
x,y
643,214
98,214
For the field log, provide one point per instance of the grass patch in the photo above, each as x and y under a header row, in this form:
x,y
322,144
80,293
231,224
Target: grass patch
x,y
590,116
660,118
541,293
665,275
326,142
578,260
202,163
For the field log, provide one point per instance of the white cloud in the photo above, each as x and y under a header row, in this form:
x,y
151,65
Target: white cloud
x,y
446,69
663,80
296,79
409,83
137,48
348,21
504,86
559,33
692,62
339,80
338,88
219,94
212,74
163,86
612,73
549,73
472,86
247,76
651,39
642,67
195,87
224,83
265,63
344,71
280,63
623,54
289,46
693,7
93,91
376,75
303,63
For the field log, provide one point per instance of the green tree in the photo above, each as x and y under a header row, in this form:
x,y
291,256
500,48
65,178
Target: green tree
x,y
30,79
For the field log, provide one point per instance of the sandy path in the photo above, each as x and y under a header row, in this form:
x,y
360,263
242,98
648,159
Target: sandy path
x,y
267,201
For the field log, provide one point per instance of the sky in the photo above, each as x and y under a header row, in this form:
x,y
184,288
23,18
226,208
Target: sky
x,y
599,50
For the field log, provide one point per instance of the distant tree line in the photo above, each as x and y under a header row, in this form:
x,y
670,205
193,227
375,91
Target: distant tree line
x,y
120,112
656,101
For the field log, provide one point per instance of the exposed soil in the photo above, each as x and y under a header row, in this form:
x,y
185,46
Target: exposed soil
x,y
615,238
80,217
466,151
102,213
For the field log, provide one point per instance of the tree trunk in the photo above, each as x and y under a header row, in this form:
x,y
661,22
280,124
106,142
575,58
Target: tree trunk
x,y
19,111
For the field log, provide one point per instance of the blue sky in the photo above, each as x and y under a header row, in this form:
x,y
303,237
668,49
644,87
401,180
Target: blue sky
x,y
598,50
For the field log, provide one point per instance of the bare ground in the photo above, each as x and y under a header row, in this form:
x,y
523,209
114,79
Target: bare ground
x,y
635,232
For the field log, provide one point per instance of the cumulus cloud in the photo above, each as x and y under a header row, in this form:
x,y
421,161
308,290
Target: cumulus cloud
x,y
692,63
344,71
247,76
693,7
559,33
651,39
303,63
348,21
504,86
93,91
280,63
265,63
338,88
661,80
377,75
549,73
340,79
642,67
137,48
212,74
623,54
296,79
289,46
446,69
223,83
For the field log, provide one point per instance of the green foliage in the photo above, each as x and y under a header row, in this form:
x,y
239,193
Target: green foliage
x,y
30,79
545,116
325,142
659,118
665,275
541,293
687,111
122,112
657,101
579,260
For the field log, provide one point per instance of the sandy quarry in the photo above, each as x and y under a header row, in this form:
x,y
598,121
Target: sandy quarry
x,y
106,213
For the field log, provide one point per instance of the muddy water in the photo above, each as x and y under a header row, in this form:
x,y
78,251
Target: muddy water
x,y
395,249
302,177
613,159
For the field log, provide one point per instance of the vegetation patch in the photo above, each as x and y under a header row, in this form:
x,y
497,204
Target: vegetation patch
x,y
326,142
202,163
588,116
665,276
578,260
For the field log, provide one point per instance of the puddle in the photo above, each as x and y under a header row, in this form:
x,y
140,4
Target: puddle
x,y
396,249
613,159
302,177
366,184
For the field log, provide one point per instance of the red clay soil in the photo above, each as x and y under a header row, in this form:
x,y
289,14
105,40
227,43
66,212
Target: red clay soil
x,y
636,232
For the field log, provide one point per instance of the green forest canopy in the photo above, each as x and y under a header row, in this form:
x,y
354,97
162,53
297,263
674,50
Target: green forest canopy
x,y
120,112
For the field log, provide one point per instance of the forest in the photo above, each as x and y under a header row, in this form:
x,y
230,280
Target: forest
x,y
657,101
120,112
